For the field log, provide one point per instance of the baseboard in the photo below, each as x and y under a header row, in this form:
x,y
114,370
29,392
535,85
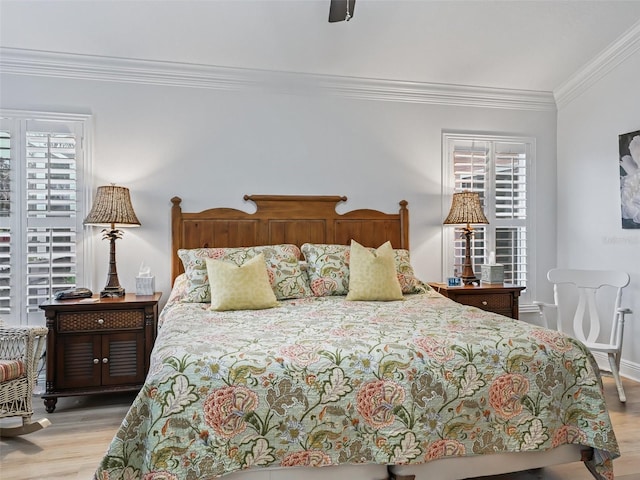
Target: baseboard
x,y
628,369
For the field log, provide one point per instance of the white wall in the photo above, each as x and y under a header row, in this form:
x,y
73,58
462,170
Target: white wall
x,y
211,147
589,225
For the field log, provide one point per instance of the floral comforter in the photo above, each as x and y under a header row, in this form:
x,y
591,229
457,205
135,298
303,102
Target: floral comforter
x,y
323,381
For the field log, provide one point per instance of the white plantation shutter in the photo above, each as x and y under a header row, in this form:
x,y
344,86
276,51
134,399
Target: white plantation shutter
x,y
41,211
498,169
5,230
51,214
470,163
51,174
509,209
51,263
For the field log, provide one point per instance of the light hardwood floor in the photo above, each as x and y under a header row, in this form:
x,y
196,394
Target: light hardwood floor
x,y
82,428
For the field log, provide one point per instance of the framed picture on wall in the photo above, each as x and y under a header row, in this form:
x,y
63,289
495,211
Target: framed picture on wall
x,y
629,144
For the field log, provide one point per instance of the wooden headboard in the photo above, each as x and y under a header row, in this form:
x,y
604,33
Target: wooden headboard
x,y
279,219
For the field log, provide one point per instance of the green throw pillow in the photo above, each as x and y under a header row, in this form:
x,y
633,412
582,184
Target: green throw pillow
x,y
244,287
373,275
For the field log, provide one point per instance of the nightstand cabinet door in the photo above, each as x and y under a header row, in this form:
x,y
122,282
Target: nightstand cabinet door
x,y
94,360
122,358
78,357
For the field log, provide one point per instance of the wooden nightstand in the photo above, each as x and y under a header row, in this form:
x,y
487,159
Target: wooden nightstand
x,y
98,345
497,298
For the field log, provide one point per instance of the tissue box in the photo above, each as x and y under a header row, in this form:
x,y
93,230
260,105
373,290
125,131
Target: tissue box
x,y
492,273
145,285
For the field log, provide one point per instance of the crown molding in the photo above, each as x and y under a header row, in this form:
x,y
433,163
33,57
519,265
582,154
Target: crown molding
x,y
189,75
625,46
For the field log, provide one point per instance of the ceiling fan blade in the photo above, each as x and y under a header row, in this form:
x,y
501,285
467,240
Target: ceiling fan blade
x,y
340,10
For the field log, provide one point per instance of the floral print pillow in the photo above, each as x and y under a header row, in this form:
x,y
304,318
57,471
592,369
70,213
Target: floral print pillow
x,y
328,269
406,276
286,276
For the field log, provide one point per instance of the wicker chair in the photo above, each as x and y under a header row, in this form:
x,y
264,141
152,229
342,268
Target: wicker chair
x,y
20,350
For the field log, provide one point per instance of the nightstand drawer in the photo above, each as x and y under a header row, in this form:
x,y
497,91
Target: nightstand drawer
x,y
105,320
501,299
491,302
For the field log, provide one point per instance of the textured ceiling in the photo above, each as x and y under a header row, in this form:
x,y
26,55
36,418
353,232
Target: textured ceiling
x,y
528,45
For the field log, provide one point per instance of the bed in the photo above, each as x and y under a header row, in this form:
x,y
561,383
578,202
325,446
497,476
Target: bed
x,y
414,387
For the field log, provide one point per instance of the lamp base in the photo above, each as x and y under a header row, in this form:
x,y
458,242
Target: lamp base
x,y
112,292
468,277
470,280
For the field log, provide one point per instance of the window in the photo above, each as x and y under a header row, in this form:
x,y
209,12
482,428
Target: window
x,y
42,203
499,169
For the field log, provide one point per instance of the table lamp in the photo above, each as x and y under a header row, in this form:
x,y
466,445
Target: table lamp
x,y
466,209
112,209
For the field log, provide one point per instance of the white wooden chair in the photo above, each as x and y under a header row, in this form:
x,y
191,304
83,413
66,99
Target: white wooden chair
x,y
20,351
587,294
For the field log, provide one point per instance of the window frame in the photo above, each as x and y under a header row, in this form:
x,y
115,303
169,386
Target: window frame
x,y
17,121
448,188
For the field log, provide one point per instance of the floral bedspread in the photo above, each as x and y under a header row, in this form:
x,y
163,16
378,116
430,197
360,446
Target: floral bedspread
x,y
322,381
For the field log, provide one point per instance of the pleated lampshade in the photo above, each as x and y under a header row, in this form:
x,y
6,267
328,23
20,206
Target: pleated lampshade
x,y
112,208
465,208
